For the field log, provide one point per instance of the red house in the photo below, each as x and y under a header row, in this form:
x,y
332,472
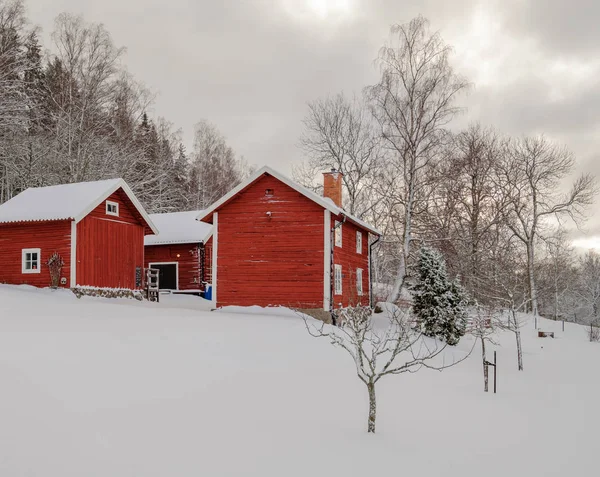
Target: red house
x,y
182,251
97,228
278,243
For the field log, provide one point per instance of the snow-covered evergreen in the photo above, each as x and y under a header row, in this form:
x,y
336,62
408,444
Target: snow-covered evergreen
x,y
439,304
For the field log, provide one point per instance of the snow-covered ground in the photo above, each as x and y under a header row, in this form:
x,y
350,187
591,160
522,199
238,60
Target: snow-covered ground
x,y
97,387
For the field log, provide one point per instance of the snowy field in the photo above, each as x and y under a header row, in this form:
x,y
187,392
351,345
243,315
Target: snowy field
x,y
95,387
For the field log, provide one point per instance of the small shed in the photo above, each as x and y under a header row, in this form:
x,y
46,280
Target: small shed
x,y
96,228
181,251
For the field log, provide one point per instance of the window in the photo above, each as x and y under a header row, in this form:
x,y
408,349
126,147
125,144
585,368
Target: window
x,y
359,281
269,192
338,279
338,234
31,260
112,208
358,242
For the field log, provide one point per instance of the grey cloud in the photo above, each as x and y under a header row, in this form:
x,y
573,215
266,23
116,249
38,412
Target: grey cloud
x,y
561,27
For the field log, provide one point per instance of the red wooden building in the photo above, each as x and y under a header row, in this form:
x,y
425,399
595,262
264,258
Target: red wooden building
x,y
278,243
182,251
97,228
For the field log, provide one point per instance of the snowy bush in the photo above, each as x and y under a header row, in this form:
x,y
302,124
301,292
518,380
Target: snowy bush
x,y
108,292
55,264
439,304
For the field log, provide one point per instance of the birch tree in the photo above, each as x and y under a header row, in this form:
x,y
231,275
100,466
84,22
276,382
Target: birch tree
x,y
339,133
532,174
413,103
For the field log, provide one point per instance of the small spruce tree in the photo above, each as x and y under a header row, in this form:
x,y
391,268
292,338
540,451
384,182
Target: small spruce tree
x,y
439,304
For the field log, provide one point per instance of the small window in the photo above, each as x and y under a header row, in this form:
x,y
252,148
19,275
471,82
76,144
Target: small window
x,y
269,192
31,260
112,208
359,281
358,242
338,234
338,279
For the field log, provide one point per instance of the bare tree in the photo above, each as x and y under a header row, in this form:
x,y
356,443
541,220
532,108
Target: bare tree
x,y
588,287
483,325
557,275
413,103
532,172
214,168
381,347
339,133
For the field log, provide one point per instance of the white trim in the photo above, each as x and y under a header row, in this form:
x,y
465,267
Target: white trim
x,y
369,266
338,291
327,261
359,234
73,277
119,184
37,251
110,203
338,230
215,248
176,273
322,201
362,290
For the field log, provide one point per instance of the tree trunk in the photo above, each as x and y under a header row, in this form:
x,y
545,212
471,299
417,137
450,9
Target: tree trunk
x,y
372,408
402,266
531,276
518,338
485,367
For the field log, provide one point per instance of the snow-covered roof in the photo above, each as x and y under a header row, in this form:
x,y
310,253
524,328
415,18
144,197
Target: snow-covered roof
x,y
65,202
179,227
324,202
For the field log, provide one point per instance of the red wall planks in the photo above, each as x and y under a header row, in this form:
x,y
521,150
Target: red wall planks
x,y
270,260
50,237
350,260
188,260
208,257
110,248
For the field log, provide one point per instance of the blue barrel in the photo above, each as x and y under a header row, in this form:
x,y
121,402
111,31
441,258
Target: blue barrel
x,y
208,292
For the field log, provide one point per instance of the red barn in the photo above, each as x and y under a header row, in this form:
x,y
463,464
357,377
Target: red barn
x,y
97,228
181,251
278,243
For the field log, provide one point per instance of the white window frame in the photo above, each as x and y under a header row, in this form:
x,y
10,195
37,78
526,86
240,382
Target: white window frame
x,y
110,203
359,281
337,279
338,234
359,237
24,261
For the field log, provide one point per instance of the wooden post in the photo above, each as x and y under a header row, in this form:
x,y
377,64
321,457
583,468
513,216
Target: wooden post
x,y
563,326
495,368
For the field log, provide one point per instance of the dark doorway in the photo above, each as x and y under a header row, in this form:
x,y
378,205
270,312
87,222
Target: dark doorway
x,y
167,277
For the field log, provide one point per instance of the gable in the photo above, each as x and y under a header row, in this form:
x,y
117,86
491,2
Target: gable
x,y
127,211
266,171
269,194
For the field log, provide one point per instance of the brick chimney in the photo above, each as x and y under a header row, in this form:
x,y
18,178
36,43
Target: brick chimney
x,y
332,186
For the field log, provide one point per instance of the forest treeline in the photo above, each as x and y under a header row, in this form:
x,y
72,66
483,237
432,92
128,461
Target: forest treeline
x,y
75,114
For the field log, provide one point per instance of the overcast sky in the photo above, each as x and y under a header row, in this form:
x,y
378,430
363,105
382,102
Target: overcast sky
x,y
250,66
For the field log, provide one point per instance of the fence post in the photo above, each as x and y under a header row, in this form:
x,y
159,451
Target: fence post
x,y
495,371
